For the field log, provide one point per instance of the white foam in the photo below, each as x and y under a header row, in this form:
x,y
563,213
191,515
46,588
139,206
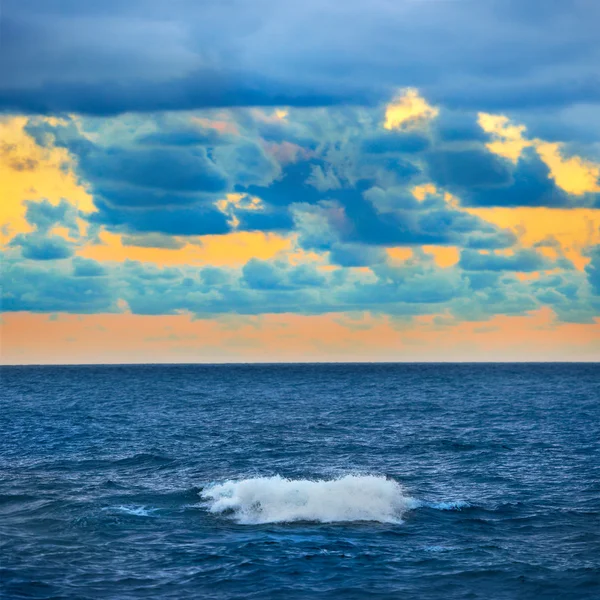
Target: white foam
x,y
278,500
454,505
136,511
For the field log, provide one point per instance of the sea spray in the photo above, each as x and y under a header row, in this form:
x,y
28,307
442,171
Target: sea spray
x,y
277,500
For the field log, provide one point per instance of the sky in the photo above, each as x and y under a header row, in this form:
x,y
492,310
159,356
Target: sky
x,y
260,181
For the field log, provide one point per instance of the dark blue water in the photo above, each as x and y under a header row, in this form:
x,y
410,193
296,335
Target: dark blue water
x,y
102,471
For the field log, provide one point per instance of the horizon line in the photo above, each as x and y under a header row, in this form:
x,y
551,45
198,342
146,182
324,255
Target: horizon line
x,y
292,363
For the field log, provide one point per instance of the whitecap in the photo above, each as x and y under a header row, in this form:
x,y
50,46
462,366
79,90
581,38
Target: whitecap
x,y
136,511
278,500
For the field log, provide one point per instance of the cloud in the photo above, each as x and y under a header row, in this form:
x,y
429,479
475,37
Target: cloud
x,y
184,136
392,218
458,126
35,289
83,267
306,211
593,269
169,170
459,169
396,142
195,220
417,286
262,275
246,163
522,260
44,216
35,246
530,185
113,57
482,178
42,244
417,283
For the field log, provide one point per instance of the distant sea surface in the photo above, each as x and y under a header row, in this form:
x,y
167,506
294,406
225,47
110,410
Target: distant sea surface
x,y
353,481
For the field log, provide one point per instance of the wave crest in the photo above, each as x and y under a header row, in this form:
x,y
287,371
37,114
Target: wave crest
x,y
278,500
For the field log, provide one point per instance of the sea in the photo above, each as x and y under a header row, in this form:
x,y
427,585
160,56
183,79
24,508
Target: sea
x,y
300,481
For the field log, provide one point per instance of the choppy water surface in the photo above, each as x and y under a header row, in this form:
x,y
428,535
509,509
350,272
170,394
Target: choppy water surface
x,y
300,481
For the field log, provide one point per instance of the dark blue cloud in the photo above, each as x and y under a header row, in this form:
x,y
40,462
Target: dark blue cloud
x,y
356,255
44,216
278,219
111,57
184,136
459,169
139,197
456,126
481,178
195,220
144,189
353,228
522,260
84,267
290,187
530,185
200,89
572,124
169,170
36,246
392,142
429,223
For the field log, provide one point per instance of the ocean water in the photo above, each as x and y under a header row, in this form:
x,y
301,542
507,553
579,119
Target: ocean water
x,y
300,481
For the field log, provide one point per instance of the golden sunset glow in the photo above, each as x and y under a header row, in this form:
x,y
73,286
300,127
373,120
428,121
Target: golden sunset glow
x,y
31,172
574,175
231,250
573,229
180,338
408,110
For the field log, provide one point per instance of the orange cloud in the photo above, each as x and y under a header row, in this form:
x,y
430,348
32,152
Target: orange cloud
x,y
420,192
574,175
509,141
408,110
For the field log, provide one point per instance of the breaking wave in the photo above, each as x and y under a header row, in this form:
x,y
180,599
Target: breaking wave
x,y
278,500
